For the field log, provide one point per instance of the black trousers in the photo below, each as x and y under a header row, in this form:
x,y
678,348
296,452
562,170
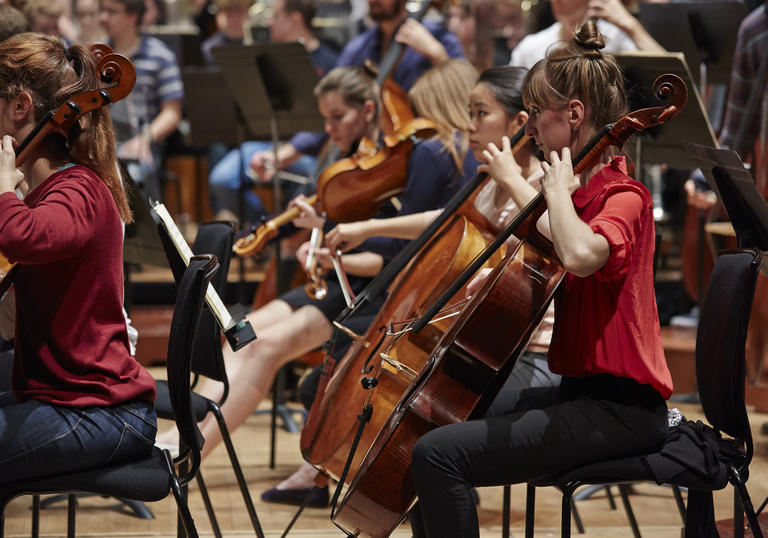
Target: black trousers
x,y
544,431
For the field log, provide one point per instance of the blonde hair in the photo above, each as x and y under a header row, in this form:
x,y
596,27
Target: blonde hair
x,y
53,73
442,95
578,70
354,85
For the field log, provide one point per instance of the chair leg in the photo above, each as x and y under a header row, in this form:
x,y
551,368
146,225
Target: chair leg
x,y
565,510
746,504
35,516
611,500
237,470
208,505
71,514
576,516
185,516
4,500
680,502
530,509
623,491
505,512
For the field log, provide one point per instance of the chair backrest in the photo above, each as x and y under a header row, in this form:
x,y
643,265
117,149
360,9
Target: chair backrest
x,y
720,341
186,314
212,238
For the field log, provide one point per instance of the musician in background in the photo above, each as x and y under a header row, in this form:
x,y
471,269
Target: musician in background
x,y
606,342
79,399
291,22
295,324
622,30
12,22
152,111
43,16
427,44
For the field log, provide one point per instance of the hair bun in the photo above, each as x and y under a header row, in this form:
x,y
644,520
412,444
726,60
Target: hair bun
x,y
589,37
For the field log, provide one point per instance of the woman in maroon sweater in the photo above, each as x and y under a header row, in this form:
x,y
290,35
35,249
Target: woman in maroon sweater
x,y
79,399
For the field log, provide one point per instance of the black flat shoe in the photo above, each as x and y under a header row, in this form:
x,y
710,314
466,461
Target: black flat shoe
x,y
318,497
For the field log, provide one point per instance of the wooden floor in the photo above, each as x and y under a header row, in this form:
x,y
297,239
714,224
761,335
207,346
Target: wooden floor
x,y
655,507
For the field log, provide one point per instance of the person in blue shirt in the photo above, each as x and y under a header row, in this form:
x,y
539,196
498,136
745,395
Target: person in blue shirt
x,y
291,21
427,45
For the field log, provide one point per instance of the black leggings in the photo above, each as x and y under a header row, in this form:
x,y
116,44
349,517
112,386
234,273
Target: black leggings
x,y
548,430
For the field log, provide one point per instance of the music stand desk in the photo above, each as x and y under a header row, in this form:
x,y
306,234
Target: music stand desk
x,y
705,32
665,144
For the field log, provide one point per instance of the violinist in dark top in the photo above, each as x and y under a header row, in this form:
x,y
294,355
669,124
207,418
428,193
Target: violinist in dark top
x,y
294,323
606,342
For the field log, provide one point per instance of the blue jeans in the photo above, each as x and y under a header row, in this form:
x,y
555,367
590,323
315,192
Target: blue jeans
x,y
39,439
226,175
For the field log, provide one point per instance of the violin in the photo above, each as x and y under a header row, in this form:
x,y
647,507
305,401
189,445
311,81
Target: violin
x,y
119,76
354,188
468,366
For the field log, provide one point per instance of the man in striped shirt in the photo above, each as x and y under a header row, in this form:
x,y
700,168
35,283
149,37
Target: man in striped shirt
x,y
152,111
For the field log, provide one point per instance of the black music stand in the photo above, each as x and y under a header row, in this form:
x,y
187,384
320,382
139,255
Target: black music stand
x,y
273,86
734,186
664,144
704,31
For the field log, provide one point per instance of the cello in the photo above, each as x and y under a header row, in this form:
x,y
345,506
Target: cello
x,y
437,257
468,366
119,75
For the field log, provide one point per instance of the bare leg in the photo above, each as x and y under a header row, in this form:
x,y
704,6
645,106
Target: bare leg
x,y
282,336
302,478
254,367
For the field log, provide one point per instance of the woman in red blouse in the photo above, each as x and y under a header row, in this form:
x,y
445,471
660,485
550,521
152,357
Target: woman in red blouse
x,y
606,342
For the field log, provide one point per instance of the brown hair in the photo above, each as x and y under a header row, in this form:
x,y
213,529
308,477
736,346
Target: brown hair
x,y
52,73
442,95
305,8
578,70
354,85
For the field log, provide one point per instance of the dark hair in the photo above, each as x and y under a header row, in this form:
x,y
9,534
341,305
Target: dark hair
x,y
52,73
305,8
578,70
134,6
12,22
506,86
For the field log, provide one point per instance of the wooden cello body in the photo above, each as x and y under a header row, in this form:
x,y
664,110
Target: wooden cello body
x,y
329,430
459,379
332,421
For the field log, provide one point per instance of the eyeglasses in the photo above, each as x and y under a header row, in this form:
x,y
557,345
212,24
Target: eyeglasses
x,y
113,11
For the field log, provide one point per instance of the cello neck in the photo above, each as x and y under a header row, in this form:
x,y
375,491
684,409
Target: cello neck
x,y
395,51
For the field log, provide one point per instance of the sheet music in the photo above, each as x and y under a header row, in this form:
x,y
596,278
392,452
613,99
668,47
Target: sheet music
x,y
215,303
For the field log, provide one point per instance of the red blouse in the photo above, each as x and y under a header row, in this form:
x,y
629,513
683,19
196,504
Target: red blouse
x,y
607,322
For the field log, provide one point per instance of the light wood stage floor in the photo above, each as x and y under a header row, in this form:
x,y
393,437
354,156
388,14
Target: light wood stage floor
x,y
96,517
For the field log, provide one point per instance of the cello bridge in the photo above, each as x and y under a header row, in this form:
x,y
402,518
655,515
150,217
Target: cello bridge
x,y
409,373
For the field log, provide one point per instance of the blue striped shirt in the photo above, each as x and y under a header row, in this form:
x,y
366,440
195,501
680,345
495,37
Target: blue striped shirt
x,y
158,80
